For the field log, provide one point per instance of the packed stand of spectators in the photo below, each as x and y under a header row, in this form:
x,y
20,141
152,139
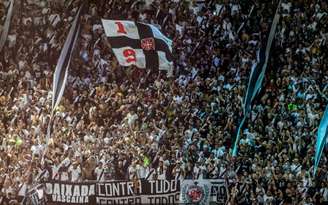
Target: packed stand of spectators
x,y
281,135
117,123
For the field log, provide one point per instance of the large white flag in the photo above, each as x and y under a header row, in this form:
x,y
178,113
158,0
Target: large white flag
x,y
139,44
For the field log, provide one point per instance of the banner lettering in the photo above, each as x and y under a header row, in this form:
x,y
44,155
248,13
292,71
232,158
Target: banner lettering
x,y
133,192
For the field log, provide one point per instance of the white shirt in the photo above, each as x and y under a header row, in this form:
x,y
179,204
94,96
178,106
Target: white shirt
x,y
64,176
36,149
54,19
141,171
324,193
131,118
219,152
161,175
100,174
235,9
55,169
75,173
132,172
178,99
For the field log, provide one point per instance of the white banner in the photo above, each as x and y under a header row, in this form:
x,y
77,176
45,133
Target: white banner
x,y
140,192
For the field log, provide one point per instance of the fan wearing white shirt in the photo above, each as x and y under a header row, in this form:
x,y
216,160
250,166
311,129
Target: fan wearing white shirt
x,y
161,171
141,170
75,172
132,170
100,171
64,175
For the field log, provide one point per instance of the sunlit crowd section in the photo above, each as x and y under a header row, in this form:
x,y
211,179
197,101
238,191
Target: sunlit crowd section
x,y
127,123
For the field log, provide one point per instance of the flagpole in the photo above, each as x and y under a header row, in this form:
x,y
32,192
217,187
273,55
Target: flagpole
x,y
47,137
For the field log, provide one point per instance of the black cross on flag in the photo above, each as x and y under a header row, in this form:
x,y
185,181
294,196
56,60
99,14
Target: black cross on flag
x,y
139,44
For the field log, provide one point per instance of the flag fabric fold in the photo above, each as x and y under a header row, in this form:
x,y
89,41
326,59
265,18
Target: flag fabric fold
x,y
256,77
321,139
61,71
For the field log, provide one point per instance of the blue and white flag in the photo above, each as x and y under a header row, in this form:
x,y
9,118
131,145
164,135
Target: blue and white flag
x,y
321,139
256,77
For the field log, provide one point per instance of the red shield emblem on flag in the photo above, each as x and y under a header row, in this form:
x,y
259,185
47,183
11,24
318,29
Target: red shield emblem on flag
x,y
148,44
195,194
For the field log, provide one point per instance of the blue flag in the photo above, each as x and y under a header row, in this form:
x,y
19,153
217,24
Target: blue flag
x,y
256,77
321,139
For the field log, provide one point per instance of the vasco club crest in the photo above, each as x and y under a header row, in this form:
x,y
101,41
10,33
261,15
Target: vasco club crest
x,y
195,193
148,44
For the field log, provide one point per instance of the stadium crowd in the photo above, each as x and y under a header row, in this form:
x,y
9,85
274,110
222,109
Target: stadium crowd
x,y
116,123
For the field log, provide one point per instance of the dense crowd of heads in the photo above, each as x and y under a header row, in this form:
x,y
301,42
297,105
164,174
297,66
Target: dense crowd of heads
x,y
125,123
